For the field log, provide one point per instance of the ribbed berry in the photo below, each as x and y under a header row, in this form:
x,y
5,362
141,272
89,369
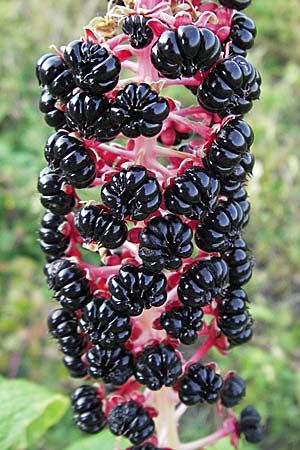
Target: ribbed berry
x,y
182,322
87,408
73,159
75,366
236,4
250,426
112,365
139,110
234,318
140,34
51,71
242,34
219,228
96,224
233,391
226,152
239,263
241,197
230,87
157,366
95,69
203,281
200,383
164,241
132,421
90,116
53,197
104,325
52,241
184,51
135,289
192,193
53,117
62,325
132,192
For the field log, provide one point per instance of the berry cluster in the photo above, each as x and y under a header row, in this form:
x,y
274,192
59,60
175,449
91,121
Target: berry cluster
x,y
167,219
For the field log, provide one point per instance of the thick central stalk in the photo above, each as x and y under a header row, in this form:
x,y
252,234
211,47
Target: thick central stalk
x,y
166,423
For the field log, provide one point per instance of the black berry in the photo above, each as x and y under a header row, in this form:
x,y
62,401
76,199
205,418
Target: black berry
x,y
182,322
236,4
52,241
239,263
53,197
233,391
242,34
87,408
53,117
51,71
62,325
250,426
75,366
140,34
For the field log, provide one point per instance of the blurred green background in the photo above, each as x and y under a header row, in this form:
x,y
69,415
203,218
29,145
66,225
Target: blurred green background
x,y
271,362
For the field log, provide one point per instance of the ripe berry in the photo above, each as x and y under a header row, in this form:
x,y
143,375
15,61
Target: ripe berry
x,y
227,150
164,241
95,224
203,281
193,193
131,420
132,192
51,71
135,289
200,383
219,228
67,153
182,322
53,197
62,325
112,365
185,51
242,34
140,35
53,243
230,87
75,366
241,198
234,318
94,68
236,4
104,325
53,116
158,366
239,263
139,110
250,426
87,407
90,116
234,389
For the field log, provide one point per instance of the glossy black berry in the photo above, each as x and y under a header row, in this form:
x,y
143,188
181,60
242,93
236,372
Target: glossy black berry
x,y
250,425
103,324
53,117
51,71
239,263
164,241
95,69
132,192
230,87
135,289
185,51
132,421
145,446
199,384
242,34
234,318
219,228
139,110
87,408
96,224
182,322
241,197
203,281
140,34
233,391
192,193
75,366
236,4
226,153
90,116
73,159
62,325
113,365
157,366
53,197
52,241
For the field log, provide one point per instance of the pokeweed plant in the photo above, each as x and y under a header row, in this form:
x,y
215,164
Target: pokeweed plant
x,y
167,220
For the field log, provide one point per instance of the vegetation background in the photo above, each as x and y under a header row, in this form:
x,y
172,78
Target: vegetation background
x,y
271,362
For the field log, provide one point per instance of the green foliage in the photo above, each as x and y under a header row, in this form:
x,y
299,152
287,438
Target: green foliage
x,y
105,440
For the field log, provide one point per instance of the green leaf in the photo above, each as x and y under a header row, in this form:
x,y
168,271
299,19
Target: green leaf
x,y
105,440
27,411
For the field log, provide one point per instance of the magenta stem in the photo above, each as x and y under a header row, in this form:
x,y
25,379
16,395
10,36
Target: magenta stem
x,y
204,442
